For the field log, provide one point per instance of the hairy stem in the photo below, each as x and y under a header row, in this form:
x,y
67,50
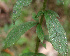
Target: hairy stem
x,y
37,45
44,6
41,20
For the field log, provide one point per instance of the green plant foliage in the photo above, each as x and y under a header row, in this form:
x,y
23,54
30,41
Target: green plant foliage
x,y
16,33
33,54
50,12
40,33
5,54
57,35
44,45
18,8
34,17
39,13
56,32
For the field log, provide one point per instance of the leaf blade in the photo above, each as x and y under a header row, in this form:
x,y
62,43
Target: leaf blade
x,y
35,17
56,32
39,13
16,33
40,33
17,10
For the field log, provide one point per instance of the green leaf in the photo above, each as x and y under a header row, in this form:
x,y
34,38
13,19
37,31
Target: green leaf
x,y
32,54
39,13
44,45
34,17
56,32
50,12
40,33
16,33
17,10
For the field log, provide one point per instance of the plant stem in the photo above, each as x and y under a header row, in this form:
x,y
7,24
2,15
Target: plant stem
x,y
41,20
44,6
37,45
